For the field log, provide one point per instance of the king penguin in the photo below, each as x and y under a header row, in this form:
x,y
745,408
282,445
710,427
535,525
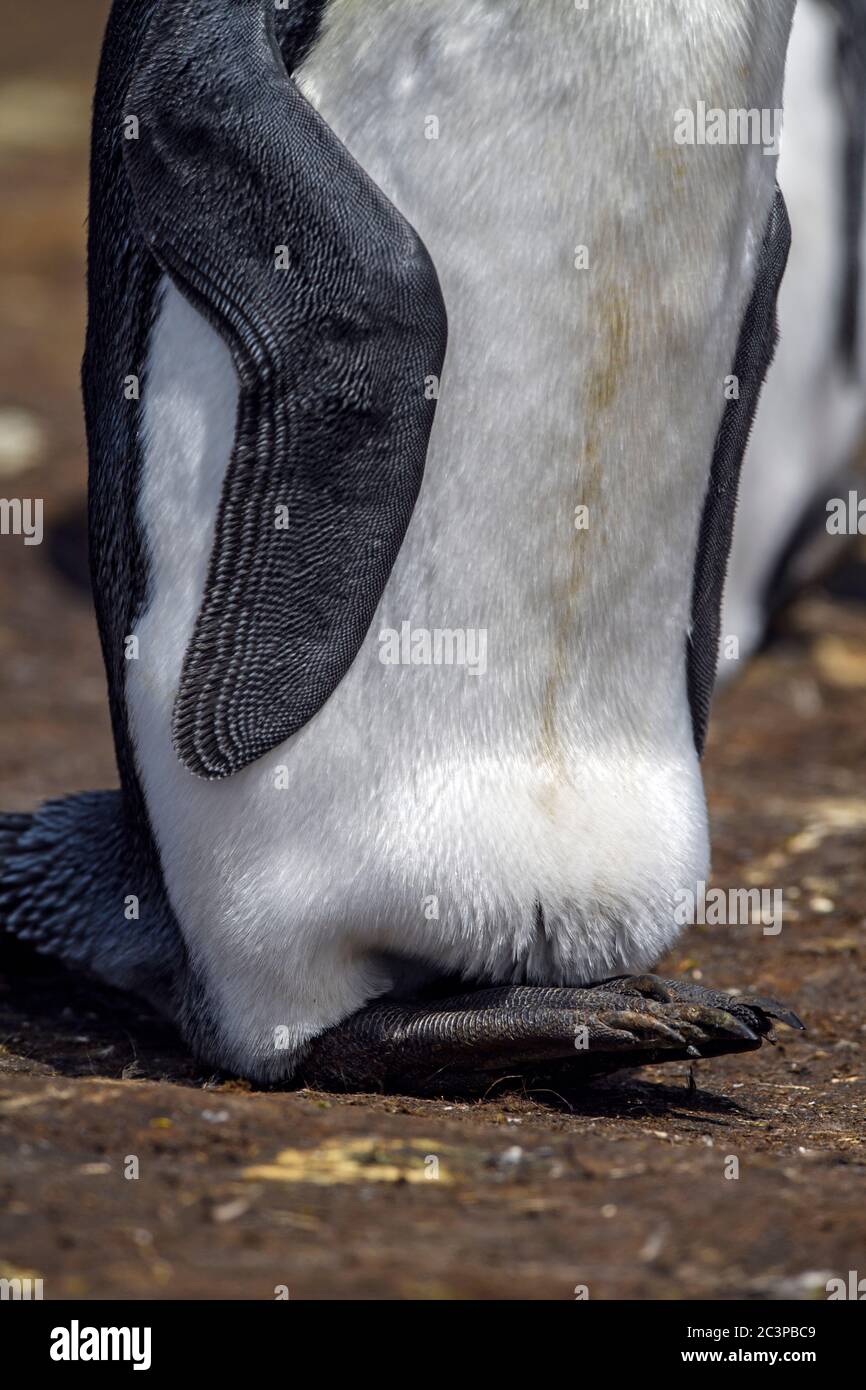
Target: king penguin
x,y
812,415
412,476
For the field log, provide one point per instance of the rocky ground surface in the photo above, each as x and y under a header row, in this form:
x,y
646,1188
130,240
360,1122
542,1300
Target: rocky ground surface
x,y
626,1187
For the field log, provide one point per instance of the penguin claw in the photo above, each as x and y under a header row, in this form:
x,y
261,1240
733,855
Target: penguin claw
x,y
773,1009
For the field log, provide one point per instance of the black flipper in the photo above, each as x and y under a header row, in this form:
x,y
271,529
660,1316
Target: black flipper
x,y
755,352
851,76
333,356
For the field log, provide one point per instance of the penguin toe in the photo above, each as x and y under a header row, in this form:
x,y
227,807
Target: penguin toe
x,y
756,1012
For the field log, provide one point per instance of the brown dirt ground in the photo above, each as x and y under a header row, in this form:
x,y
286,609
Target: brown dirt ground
x,y
620,1187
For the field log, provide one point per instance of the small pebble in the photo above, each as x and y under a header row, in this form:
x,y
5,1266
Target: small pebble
x,y
512,1157
822,905
230,1211
22,442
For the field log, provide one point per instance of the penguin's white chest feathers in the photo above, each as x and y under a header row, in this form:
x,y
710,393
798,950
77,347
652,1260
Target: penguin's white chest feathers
x,y
595,279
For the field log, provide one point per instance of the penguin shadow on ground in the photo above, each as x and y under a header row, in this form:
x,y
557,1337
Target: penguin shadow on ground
x,y
55,1023
627,1094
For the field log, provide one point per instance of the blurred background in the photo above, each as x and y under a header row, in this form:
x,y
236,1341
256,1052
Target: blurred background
x,y
54,727
620,1188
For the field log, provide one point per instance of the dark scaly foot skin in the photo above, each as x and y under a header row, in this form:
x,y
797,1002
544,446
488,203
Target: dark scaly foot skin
x,y
465,1044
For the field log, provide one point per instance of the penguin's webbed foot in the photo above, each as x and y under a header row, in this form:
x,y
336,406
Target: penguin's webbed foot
x,y
464,1044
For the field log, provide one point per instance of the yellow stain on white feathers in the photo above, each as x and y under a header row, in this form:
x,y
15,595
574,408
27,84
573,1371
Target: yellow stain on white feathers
x,y
611,353
347,1161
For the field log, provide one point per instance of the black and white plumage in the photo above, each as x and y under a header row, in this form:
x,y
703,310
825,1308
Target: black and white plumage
x,y
809,429
308,827
333,352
